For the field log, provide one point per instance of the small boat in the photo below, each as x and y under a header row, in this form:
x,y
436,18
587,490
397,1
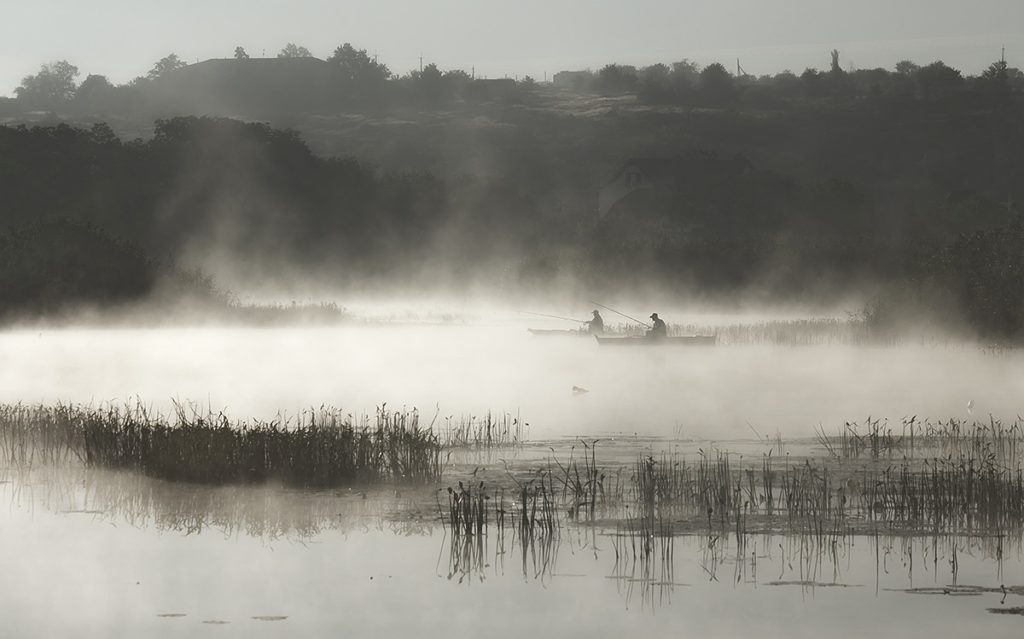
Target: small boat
x,y
543,332
688,340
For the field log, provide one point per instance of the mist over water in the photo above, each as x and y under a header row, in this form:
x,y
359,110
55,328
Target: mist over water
x,y
722,392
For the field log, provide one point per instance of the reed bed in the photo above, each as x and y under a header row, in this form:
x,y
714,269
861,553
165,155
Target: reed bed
x,y
952,494
993,440
529,509
486,432
801,332
913,476
320,448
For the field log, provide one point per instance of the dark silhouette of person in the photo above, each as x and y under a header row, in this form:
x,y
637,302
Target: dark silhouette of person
x,y
596,325
658,329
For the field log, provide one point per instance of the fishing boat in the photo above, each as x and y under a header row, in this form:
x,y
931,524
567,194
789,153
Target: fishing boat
x,y
687,340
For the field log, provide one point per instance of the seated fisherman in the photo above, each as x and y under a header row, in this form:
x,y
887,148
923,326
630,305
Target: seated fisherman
x,y
658,329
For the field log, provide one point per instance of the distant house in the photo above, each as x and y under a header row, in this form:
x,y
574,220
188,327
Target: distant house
x,y
251,86
575,80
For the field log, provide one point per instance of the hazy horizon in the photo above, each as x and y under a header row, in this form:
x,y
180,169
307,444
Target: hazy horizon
x,y
121,40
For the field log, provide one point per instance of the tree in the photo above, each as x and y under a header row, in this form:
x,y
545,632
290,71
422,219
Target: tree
x,y
937,79
995,81
53,85
95,92
430,83
786,82
835,68
357,66
902,81
684,77
240,54
813,82
616,78
165,65
716,83
906,67
291,50
101,133
655,85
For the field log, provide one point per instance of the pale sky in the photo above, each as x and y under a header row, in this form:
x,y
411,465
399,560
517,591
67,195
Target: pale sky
x,y
122,38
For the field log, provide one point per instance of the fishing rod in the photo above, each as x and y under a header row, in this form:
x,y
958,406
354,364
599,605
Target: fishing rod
x,y
608,308
568,319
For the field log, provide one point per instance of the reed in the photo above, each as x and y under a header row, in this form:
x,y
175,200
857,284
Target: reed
x,y
826,498
528,517
921,439
582,490
320,448
486,432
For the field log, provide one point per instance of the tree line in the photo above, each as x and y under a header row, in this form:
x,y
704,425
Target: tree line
x,y
88,217
368,83
361,81
686,82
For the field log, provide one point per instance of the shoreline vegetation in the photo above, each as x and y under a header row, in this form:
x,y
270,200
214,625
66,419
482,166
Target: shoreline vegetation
x,y
318,448
915,473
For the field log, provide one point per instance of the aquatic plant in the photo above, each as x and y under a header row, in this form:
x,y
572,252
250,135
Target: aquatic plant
x,y
319,448
485,432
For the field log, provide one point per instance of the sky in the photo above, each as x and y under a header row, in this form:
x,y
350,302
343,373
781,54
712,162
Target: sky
x,y
498,38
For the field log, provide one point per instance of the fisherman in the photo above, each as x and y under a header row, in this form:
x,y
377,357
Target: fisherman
x,y
596,325
658,329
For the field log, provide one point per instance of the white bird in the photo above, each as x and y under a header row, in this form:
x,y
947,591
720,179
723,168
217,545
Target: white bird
x,y
970,406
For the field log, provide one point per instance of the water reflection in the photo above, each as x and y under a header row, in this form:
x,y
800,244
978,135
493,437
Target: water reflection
x,y
654,562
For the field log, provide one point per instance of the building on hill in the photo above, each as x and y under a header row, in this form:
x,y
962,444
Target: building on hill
x,y
575,80
249,87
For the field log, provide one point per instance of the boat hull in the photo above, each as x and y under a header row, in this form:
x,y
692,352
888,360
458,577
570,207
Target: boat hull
x,y
688,340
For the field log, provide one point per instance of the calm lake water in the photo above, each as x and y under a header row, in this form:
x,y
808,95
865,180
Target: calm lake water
x,y
90,553
99,554
722,392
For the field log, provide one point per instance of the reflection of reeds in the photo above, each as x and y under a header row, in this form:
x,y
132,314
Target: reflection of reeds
x,y
528,520
319,449
266,512
485,525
